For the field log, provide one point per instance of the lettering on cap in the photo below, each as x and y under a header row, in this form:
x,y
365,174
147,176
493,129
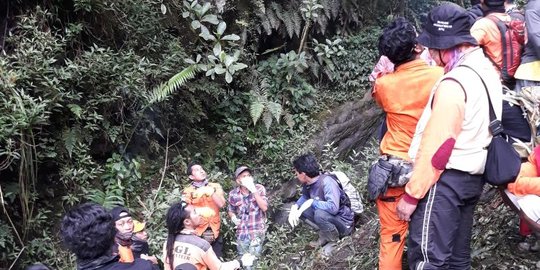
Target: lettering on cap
x,y
442,25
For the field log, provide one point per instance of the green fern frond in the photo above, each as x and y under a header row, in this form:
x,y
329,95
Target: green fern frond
x,y
297,20
267,119
288,22
335,7
164,90
272,18
255,110
275,109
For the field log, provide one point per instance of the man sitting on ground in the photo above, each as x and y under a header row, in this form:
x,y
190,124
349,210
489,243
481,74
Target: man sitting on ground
x,y
320,205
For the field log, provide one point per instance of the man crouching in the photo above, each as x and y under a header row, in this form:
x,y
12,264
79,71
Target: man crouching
x,y
321,205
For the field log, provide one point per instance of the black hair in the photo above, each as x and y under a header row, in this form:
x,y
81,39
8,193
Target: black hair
x,y
88,231
190,165
397,41
175,223
307,164
509,1
475,2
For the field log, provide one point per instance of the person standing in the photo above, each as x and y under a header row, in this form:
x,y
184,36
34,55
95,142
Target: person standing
x,y
402,95
487,34
449,145
528,72
247,209
208,198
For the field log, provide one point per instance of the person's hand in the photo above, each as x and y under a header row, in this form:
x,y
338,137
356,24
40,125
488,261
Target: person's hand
x,y
235,220
247,259
206,190
249,184
294,215
405,210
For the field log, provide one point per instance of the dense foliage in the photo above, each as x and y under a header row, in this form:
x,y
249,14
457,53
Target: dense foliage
x,y
107,101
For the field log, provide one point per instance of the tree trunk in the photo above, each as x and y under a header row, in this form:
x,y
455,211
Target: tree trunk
x,y
350,126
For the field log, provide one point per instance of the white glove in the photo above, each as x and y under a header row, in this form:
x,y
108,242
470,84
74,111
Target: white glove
x,y
294,216
247,259
235,220
249,184
295,213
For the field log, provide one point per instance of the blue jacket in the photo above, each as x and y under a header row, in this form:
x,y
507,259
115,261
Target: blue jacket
x,y
325,193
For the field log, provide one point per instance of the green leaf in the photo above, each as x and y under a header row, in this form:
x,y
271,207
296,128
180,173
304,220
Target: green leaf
x,y
255,110
221,28
75,109
267,119
195,24
70,139
164,90
231,37
205,34
238,66
163,9
205,8
219,69
228,77
217,49
210,18
275,108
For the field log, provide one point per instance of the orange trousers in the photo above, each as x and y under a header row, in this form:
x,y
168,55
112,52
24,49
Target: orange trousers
x,y
393,230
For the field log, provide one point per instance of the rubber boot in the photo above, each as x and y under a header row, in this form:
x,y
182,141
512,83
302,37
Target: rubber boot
x,y
319,242
332,237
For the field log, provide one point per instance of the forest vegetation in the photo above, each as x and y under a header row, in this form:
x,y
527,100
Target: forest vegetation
x,y
109,100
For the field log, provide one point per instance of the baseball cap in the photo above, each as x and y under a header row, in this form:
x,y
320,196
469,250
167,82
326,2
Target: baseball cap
x,y
240,170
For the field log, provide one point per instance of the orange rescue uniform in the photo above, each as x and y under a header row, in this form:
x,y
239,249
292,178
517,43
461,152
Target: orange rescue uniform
x,y
403,96
199,199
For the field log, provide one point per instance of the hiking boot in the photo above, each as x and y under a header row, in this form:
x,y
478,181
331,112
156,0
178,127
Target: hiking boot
x,y
332,237
321,241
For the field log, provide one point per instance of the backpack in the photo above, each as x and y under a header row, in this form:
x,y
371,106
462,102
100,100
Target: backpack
x,y
349,195
512,40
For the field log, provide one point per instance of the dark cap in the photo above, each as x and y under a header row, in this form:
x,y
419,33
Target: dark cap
x,y
447,25
115,213
240,170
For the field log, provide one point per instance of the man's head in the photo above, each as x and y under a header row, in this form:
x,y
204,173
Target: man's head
x,y
196,172
242,172
446,30
493,6
182,215
398,42
306,167
122,220
88,231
